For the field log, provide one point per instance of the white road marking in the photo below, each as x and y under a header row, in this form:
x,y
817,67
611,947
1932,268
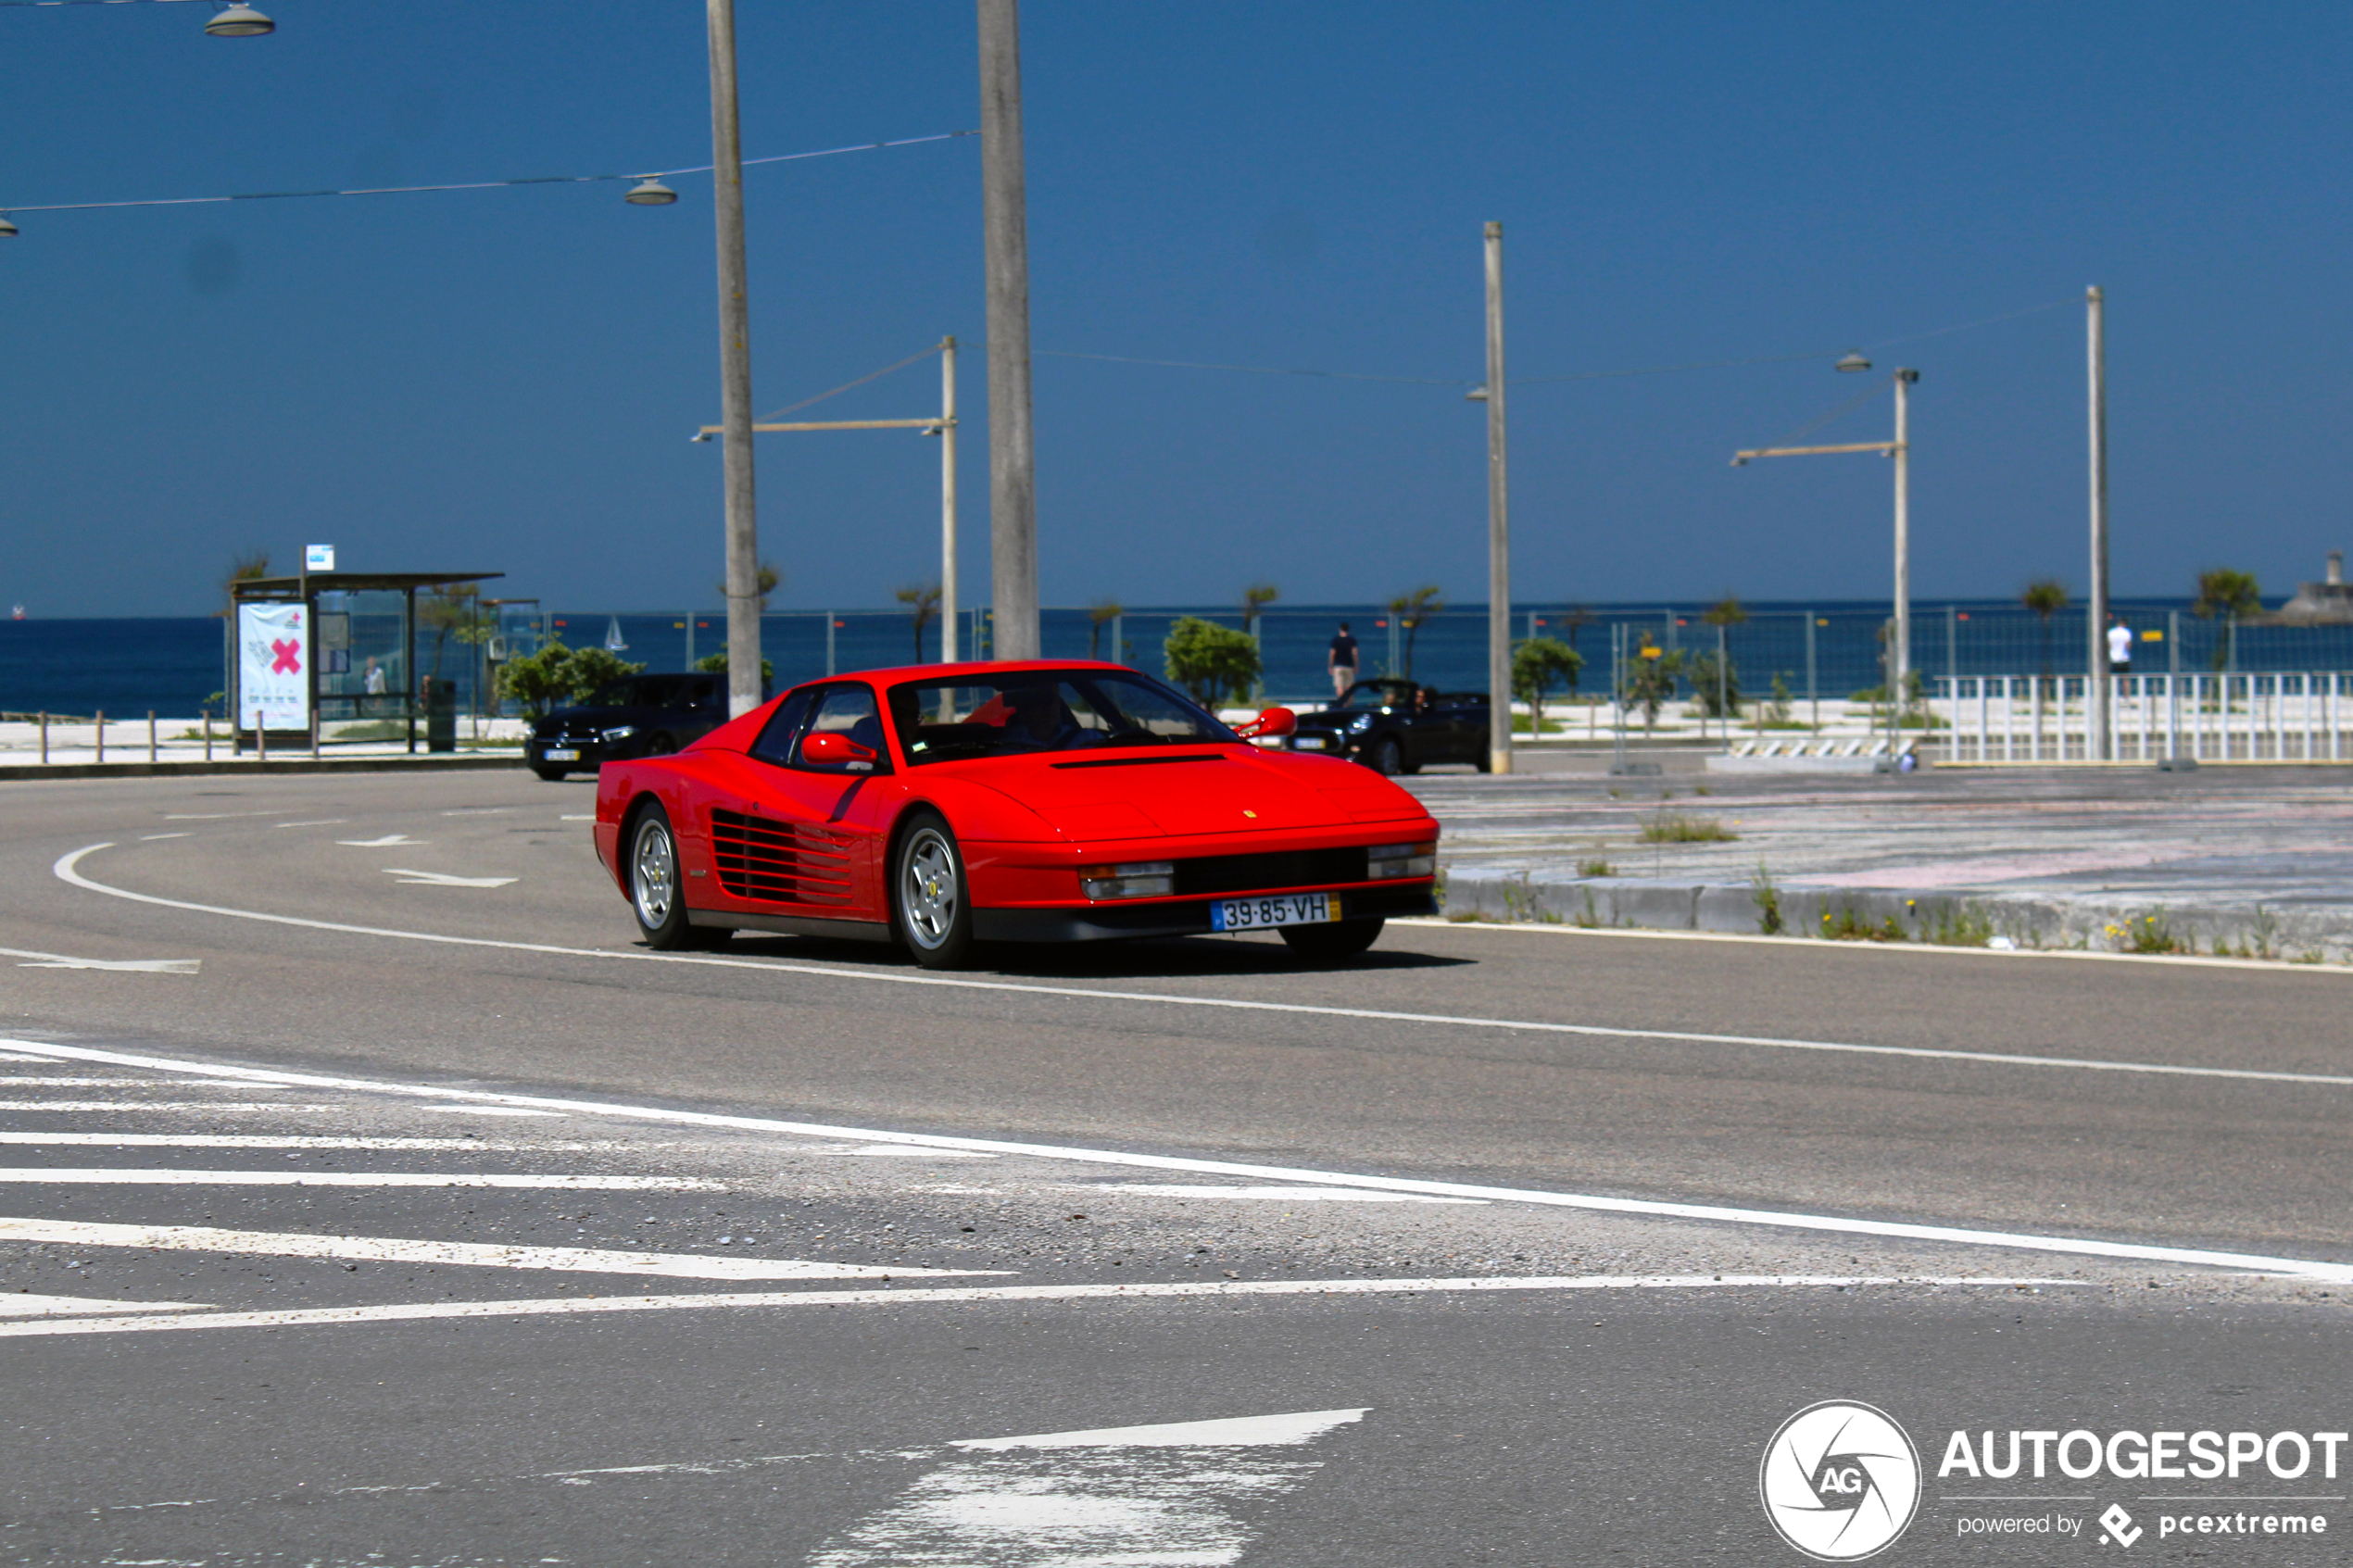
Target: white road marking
x,y
318,823
408,1311
489,1111
1168,1497
90,1105
126,966
2300,1268
65,870
386,842
479,811
444,879
1286,1194
908,1151
589,818
24,1304
257,1140
10,1081
136,1177
19,1056
211,816
388,1250
152,838
1247,1431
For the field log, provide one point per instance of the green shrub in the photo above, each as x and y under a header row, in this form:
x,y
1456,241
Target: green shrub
x,y
1680,827
1214,663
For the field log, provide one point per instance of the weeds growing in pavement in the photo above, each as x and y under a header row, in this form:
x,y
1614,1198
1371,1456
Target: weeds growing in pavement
x,y
1769,901
1846,926
2147,933
1681,827
1596,867
1963,925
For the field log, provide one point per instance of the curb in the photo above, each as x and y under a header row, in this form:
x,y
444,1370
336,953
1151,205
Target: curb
x,y
1889,915
432,763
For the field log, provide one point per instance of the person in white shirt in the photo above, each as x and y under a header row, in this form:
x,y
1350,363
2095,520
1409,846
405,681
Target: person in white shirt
x,y
2119,647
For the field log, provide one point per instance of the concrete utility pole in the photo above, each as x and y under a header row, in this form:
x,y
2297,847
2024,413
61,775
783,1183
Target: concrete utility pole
x,y
1900,667
1012,467
735,368
948,500
1499,533
2100,684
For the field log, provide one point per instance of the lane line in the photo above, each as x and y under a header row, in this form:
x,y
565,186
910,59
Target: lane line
x,y
2300,1268
1283,1195
1232,1432
563,1306
10,1081
267,1140
135,1176
392,1249
125,966
79,1106
66,869
24,1304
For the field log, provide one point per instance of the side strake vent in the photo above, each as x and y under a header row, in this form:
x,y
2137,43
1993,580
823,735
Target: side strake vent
x,y
758,857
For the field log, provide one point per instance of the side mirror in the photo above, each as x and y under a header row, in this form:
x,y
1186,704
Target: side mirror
x,y
1275,721
833,746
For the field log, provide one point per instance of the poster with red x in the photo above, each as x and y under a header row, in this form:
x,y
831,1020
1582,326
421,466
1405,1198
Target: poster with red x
x,y
273,666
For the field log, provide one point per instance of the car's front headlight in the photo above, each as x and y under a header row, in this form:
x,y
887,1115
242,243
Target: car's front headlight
x,y
1358,725
1139,879
619,731
1386,861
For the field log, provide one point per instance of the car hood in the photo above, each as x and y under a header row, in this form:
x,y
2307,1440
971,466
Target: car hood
x,y
1228,790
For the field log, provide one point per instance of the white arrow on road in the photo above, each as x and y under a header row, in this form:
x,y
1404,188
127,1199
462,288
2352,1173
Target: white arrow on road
x,y
129,966
386,842
443,879
1159,1494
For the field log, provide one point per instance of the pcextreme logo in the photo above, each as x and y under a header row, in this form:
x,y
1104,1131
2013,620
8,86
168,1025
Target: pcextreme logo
x,y
1841,1480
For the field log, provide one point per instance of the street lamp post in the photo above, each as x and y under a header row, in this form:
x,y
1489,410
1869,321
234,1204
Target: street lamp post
x,y
1013,466
744,693
1899,664
1499,533
2100,685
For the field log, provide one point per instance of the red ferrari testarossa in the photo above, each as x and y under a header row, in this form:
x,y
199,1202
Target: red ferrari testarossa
x,y
943,804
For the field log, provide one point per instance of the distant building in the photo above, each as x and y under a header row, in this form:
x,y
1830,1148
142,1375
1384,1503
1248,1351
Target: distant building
x,y
2317,602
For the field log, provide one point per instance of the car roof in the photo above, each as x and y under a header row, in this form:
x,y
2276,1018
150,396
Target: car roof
x,y
987,667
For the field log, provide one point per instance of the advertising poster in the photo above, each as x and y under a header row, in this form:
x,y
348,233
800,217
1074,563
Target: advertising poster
x,y
273,666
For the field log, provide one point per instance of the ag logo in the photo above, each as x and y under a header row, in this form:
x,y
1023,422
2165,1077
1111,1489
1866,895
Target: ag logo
x,y
1840,1481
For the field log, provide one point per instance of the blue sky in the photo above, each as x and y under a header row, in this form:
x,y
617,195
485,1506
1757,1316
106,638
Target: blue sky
x,y
506,380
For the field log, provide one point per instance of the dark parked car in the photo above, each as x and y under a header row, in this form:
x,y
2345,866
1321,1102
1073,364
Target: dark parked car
x,y
635,716
1394,726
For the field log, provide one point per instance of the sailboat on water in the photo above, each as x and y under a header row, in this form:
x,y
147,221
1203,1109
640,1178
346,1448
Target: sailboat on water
x,y
613,643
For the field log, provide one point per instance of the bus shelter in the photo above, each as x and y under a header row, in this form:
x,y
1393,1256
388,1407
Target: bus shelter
x,y
333,655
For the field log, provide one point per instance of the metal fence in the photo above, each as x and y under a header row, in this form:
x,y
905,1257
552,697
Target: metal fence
x,y
2300,716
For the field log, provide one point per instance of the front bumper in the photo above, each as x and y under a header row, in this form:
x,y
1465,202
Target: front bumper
x,y
1190,917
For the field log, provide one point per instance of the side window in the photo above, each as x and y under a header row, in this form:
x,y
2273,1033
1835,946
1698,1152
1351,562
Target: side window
x,y
776,737
847,710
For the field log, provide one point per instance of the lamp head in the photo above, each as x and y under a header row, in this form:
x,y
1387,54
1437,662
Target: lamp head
x,y
1855,361
239,20
650,191
1475,394
7,228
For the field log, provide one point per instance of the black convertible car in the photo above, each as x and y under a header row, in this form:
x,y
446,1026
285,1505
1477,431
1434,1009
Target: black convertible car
x,y
635,716
1393,726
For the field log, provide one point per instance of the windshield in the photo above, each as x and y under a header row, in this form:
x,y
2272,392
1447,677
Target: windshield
x,y
1034,711
1377,694
634,691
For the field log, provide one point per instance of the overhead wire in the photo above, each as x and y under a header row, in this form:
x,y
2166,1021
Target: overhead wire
x,y
796,408
469,185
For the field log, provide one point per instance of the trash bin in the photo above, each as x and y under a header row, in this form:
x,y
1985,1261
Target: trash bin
x,y
441,714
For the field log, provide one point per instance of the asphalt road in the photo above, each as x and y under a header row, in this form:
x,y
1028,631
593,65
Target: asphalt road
x,y
1540,1235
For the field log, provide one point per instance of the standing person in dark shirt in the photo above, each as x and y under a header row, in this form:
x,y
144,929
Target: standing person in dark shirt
x,y
1344,660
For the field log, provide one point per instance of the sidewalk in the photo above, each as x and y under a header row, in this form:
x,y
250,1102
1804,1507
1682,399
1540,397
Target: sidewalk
x,y
2257,862
177,744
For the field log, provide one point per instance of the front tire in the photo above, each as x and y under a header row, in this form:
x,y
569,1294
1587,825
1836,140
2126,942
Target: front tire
x,y
1332,943
930,901
656,889
1388,758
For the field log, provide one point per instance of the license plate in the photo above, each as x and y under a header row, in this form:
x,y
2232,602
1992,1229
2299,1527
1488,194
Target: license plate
x,y
1287,909
565,753
1310,743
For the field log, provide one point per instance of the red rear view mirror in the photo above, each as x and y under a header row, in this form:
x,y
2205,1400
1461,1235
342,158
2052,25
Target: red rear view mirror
x,y
1273,722
832,746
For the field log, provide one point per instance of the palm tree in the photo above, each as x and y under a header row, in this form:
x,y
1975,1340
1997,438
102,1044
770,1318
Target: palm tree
x,y
2234,596
1411,610
923,608
764,583
2046,596
1099,614
1255,598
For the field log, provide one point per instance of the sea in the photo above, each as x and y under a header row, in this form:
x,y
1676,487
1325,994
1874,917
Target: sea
x,y
174,666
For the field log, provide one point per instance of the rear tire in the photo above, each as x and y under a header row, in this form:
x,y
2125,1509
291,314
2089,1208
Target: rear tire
x,y
1388,758
1332,943
930,901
